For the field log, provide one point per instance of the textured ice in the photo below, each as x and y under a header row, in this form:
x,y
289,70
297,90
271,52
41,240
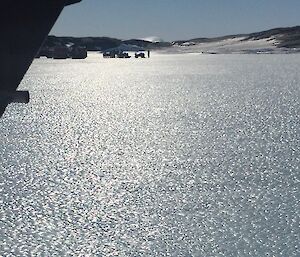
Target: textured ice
x,y
177,155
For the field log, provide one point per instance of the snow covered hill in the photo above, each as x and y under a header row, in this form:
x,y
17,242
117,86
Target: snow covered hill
x,y
280,40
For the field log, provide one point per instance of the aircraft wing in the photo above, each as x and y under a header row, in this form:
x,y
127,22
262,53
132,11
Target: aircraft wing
x,y
68,2
24,25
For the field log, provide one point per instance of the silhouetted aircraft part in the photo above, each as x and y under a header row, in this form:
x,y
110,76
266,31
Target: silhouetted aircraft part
x,y
68,2
24,25
15,97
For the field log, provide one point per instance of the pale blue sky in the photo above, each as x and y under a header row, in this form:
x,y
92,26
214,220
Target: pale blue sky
x,y
175,19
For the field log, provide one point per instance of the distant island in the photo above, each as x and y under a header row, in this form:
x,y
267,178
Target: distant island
x,y
276,40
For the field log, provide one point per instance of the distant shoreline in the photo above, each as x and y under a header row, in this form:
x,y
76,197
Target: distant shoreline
x,y
278,40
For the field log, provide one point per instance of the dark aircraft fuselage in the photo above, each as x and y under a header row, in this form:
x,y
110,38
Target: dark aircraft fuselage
x,y
24,25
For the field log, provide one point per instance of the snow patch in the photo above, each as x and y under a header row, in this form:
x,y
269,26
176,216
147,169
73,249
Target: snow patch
x,y
153,39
